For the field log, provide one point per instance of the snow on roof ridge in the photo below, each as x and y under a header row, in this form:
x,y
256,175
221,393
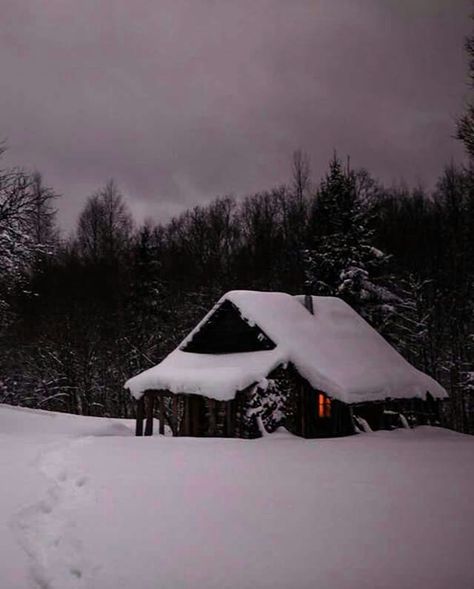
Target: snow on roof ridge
x,y
335,350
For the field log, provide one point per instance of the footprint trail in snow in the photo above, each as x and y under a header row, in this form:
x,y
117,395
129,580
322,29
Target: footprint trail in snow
x,y
47,530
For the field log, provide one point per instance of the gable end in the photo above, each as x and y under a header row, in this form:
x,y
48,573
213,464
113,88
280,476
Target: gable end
x,y
227,332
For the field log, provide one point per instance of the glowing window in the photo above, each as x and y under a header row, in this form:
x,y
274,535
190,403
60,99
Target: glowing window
x,y
324,406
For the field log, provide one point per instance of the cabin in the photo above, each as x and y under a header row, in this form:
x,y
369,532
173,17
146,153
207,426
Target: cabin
x,y
267,360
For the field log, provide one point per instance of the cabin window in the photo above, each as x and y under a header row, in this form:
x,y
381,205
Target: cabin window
x,y
324,405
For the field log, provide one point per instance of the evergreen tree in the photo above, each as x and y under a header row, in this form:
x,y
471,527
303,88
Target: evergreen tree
x,y
343,260
411,325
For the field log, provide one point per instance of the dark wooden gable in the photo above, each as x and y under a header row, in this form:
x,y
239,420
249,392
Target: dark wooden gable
x,y
226,332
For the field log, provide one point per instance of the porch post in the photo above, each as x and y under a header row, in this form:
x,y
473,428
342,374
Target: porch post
x,y
161,412
150,398
140,408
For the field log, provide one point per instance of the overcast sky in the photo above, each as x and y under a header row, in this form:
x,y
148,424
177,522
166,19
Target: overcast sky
x,y
184,100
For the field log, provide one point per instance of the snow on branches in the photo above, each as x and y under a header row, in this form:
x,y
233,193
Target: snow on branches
x,y
26,229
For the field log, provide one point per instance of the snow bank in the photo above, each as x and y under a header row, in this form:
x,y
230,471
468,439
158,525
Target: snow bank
x,y
389,510
336,350
24,421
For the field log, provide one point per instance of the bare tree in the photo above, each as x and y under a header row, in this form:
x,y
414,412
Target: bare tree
x,y
105,224
300,170
22,197
465,124
43,215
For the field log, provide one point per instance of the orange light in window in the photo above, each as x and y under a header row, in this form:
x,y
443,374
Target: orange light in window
x,y
324,406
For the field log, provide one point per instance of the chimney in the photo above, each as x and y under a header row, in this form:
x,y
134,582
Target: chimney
x,y
307,284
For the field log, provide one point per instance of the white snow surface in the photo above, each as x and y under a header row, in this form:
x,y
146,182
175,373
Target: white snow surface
x,y
335,350
81,508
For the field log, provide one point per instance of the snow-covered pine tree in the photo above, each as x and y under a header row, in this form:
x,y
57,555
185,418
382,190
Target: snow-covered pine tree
x,y
342,260
411,325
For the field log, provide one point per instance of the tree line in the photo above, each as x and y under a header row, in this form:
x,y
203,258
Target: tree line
x,y
81,315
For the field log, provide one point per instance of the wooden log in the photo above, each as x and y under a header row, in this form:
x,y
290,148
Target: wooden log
x,y
187,416
174,405
211,406
161,413
140,416
233,418
196,410
220,417
228,419
149,404
237,416
303,410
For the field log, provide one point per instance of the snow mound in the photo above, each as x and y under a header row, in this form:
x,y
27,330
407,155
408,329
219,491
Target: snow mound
x,y
25,421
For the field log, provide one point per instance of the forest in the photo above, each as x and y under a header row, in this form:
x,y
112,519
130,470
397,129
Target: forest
x,y
80,315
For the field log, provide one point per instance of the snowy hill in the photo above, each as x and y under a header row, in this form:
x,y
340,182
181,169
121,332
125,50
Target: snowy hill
x,y
84,504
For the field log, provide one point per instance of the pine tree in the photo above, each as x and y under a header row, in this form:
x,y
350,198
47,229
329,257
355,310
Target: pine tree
x,y
343,260
411,326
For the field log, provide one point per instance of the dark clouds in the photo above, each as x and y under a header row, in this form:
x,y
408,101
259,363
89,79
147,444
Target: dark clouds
x,y
181,100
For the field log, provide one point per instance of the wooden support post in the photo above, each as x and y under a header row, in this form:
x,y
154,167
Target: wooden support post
x,y
303,410
220,417
161,413
211,406
237,415
196,409
229,405
187,415
150,400
174,405
140,416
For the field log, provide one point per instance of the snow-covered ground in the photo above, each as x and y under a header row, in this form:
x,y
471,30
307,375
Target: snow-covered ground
x,y
85,504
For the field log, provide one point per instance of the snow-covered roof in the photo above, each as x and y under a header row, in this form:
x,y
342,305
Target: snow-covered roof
x,y
335,350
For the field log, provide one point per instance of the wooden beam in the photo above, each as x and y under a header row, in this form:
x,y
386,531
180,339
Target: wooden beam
x,y
211,406
140,416
196,410
150,401
220,417
161,413
187,416
228,419
174,405
303,409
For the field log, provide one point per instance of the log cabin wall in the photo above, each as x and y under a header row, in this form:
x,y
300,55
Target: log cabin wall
x,y
199,416
371,412
302,409
336,422
417,411
189,415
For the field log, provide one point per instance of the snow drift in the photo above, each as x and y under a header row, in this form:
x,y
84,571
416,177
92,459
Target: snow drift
x,y
389,510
